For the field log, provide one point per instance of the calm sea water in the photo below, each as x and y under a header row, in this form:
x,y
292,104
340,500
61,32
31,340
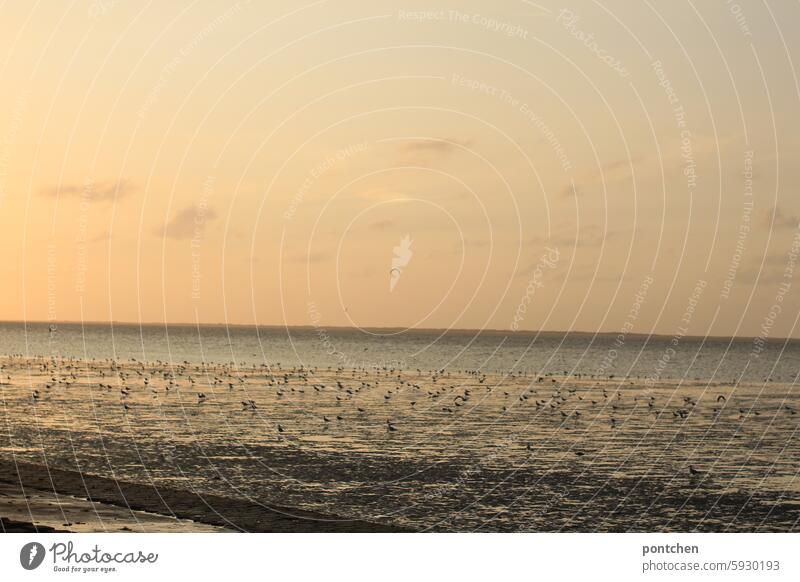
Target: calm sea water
x,y
715,359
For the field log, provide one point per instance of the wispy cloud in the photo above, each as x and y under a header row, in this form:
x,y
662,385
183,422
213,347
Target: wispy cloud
x,y
767,273
436,147
104,236
381,224
782,219
379,193
186,223
570,191
592,179
623,164
588,236
100,191
313,257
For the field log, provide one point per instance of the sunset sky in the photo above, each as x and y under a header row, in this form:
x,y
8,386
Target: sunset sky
x,y
260,162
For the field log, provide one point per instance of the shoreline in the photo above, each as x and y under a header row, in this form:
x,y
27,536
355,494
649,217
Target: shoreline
x,y
236,515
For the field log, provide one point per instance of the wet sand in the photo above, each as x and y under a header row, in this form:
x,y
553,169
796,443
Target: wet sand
x,y
11,526
90,503
30,509
405,449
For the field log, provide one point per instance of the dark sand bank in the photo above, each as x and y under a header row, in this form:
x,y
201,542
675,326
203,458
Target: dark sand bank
x,y
10,526
232,514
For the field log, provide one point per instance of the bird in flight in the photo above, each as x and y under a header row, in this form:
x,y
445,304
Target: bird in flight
x,y
402,256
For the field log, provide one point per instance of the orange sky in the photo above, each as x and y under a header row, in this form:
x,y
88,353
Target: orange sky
x,y
260,164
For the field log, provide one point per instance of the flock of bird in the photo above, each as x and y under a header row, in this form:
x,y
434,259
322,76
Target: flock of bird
x,y
390,392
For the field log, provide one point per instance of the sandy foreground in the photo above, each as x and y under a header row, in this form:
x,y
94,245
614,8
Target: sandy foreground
x,y
26,509
238,447
35,498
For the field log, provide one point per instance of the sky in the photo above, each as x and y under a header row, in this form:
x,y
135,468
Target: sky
x,y
592,166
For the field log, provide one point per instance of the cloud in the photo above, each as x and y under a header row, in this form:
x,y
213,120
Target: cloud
x,y
588,236
187,222
379,194
614,170
769,268
569,191
102,191
624,164
458,249
782,220
381,224
313,257
105,236
437,147
766,274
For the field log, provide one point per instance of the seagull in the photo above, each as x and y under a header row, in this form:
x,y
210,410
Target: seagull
x,y
693,471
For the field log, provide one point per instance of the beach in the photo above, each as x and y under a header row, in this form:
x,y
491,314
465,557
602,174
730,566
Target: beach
x,y
263,448
54,500
28,508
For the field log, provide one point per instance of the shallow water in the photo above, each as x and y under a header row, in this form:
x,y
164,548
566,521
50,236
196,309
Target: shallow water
x,y
468,451
658,357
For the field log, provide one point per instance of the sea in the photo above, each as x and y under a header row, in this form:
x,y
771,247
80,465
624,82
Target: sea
x,y
428,430
604,354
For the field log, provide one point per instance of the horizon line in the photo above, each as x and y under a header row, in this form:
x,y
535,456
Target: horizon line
x,y
647,335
